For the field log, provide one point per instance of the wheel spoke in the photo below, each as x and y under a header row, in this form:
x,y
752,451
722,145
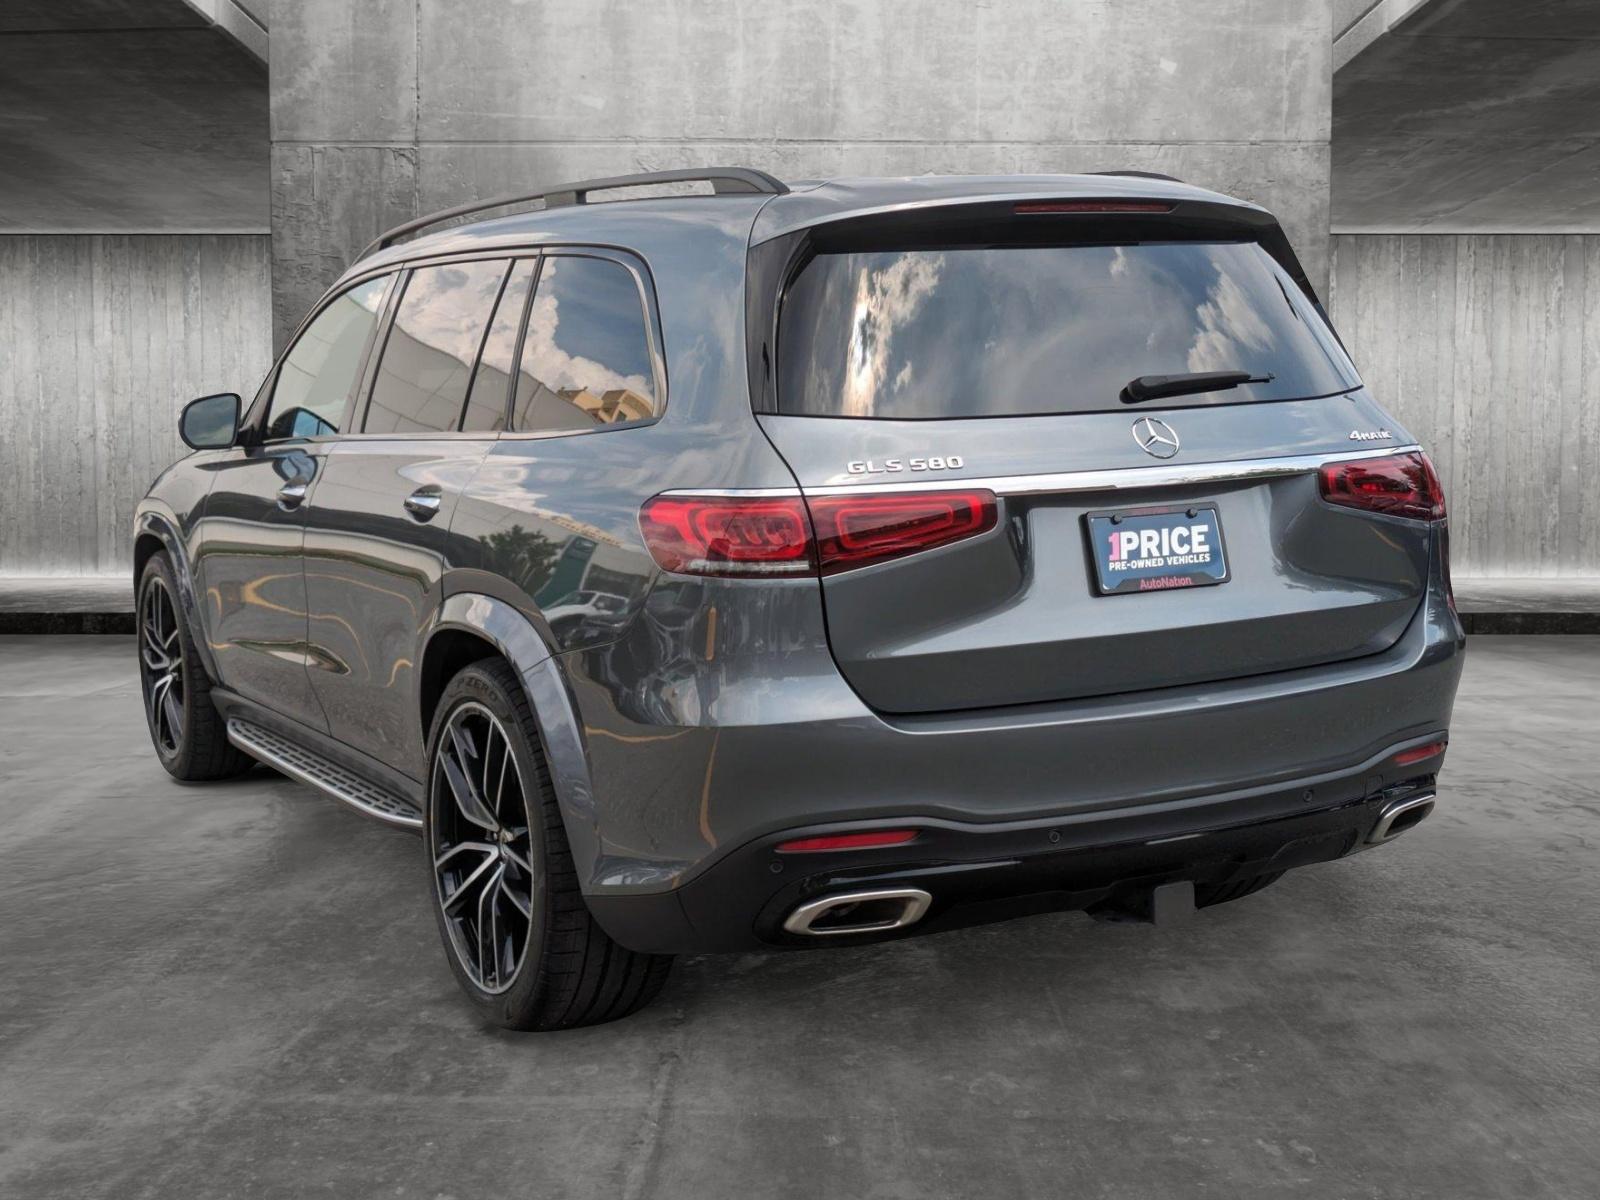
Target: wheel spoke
x,y
500,785
461,787
463,848
169,705
469,883
521,903
486,926
492,893
521,863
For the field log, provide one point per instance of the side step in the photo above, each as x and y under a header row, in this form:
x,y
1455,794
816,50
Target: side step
x,y
311,768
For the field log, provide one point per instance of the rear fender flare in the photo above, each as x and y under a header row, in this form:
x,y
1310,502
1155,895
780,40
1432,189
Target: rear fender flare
x,y
555,710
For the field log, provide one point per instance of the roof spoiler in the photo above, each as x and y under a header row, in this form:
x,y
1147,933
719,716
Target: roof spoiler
x,y
1140,175
723,180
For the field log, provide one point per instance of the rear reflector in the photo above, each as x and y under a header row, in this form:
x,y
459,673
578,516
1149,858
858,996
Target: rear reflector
x,y
1401,485
1029,207
1419,754
773,535
848,841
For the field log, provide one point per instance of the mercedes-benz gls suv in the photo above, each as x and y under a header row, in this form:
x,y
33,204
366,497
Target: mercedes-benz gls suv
x,y
808,565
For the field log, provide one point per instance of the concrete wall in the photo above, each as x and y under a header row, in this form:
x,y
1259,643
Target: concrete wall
x,y
392,107
129,116
102,341
1488,347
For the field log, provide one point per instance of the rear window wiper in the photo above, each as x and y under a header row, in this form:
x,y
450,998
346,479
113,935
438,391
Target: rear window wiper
x,y
1154,387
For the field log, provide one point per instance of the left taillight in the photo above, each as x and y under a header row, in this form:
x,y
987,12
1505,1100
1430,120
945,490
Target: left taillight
x,y
782,536
729,535
1399,485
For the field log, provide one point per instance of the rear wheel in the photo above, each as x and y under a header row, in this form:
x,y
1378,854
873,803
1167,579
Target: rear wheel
x,y
190,736
1208,894
505,892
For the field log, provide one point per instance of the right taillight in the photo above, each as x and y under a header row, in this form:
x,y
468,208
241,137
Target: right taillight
x,y
788,535
1400,485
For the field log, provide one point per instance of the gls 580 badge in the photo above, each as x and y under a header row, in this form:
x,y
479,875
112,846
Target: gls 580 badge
x,y
1156,549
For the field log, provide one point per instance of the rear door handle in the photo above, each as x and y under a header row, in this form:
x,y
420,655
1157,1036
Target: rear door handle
x,y
292,495
423,504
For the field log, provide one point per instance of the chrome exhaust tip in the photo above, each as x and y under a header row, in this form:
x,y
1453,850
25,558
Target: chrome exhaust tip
x,y
1399,816
859,912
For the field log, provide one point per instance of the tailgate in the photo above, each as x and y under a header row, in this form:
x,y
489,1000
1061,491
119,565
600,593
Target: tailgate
x,y
1016,616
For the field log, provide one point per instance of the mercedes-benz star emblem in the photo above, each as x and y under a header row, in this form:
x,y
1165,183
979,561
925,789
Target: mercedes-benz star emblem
x,y
1155,437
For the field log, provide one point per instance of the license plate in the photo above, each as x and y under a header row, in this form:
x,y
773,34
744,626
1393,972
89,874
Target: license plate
x,y
1156,549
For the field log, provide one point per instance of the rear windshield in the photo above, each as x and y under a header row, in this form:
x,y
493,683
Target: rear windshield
x,y
1020,331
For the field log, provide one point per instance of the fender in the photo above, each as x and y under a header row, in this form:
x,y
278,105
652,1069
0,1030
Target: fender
x,y
161,523
555,710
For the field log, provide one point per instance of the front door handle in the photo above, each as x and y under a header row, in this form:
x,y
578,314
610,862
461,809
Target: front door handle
x,y
292,495
423,504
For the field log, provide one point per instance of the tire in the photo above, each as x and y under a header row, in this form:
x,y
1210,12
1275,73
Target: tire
x,y
1221,893
189,734
499,865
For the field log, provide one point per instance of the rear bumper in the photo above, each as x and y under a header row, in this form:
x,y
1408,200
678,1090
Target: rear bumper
x,y
708,768
980,873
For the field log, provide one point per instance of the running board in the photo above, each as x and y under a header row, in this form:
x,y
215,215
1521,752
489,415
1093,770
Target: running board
x,y
311,768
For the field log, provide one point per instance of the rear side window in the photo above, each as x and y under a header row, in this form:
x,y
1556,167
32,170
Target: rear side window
x,y
438,328
319,372
1020,331
586,360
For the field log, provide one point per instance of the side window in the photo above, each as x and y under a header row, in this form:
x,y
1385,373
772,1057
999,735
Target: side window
x,y
586,357
317,375
486,402
428,355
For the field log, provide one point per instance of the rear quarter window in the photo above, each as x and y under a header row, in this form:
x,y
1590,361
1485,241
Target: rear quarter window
x,y
586,355
1020,331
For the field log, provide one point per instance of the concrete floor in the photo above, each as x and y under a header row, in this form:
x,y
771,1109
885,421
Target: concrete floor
x,y
237,990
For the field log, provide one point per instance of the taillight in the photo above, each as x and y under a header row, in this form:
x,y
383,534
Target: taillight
x,y
1401,485
729,535
853,531
773,535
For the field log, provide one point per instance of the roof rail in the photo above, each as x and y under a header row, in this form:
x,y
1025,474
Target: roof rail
x,y
723,180
1141,175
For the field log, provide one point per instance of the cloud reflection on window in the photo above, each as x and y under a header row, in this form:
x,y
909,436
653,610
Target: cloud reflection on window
x,y
1003,331
886,298
586,355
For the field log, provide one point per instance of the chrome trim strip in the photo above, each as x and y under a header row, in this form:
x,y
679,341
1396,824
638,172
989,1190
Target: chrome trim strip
x,y
239,733
1116,479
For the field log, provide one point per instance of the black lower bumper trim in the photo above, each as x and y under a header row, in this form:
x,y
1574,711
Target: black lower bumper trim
x,y
978,875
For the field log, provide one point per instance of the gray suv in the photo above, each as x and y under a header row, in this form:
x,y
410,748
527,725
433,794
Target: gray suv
x,y
806,565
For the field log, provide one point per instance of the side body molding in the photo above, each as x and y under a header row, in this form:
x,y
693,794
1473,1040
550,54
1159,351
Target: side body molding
x,y
157,521
560,727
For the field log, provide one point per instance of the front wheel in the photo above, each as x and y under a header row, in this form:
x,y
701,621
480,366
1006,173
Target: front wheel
x,y
505,892
190,736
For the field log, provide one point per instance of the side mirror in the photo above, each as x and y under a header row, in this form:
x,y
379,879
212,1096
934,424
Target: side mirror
x,y
211,422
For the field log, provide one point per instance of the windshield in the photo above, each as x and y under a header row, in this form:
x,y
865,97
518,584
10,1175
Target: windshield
x,y
1019,331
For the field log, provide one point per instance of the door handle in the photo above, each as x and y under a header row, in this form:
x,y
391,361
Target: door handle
x,y
292,495
423,504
